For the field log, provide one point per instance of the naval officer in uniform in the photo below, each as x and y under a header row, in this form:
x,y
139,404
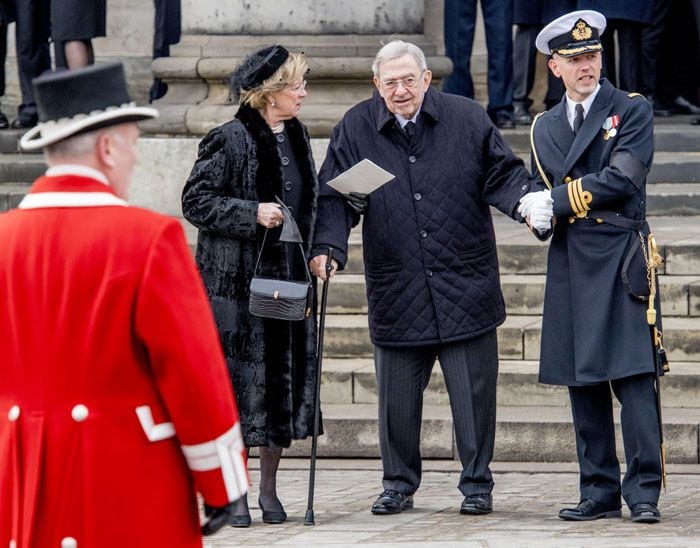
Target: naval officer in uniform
x,y
592,153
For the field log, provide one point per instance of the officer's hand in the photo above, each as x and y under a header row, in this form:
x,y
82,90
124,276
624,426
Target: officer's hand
x,y
357,201
534,200
541,217
218,517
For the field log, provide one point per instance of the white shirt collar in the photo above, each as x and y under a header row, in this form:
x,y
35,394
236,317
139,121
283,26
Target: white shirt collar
x,y
586,103
403,121
62,170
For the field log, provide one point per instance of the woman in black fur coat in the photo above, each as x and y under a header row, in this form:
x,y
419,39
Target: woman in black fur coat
x,y
242,166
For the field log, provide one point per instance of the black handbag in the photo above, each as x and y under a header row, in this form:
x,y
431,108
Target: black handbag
x,y
281,299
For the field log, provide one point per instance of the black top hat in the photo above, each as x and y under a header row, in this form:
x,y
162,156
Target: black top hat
x,y
258,67
572,34
71,102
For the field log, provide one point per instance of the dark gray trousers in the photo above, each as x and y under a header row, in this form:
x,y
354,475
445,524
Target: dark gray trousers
x,y
595,440
470,369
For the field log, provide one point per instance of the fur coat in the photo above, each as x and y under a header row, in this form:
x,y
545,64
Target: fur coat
x,y
272,363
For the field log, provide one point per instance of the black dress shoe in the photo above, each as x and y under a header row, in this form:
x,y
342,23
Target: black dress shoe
x,y
504,120
659,109
4,124
24,121
521,115
481,503
272,516
392,502
681,105
645,512
588,510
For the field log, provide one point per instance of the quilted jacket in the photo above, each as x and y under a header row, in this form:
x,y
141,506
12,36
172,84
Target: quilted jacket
x,y
428,241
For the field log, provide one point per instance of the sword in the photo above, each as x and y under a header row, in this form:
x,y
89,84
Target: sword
x,y
654,261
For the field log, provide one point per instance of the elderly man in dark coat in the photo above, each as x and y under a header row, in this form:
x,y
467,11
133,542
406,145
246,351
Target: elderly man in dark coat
x,y
430,261
594,151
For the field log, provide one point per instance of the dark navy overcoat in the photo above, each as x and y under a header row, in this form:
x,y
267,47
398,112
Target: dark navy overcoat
x,y
593,328
428,240
640,11
540,12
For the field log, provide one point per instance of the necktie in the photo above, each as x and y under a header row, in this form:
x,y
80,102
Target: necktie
x,y
578,120
410,130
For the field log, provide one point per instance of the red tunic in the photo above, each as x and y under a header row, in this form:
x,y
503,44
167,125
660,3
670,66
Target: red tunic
x,y
115,402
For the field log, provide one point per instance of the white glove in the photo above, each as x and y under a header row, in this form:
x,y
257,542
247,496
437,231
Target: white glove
x,y
541,218
537,208
533,199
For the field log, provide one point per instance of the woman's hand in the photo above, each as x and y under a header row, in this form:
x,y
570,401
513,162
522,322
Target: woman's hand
x,y
270,214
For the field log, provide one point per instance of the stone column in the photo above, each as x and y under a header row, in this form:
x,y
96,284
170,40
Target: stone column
x,y
339,38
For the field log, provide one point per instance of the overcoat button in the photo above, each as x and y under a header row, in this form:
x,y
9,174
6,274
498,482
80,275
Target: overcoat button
x,y
13,414
79,414
412,159
524,187
423,234
567,179
280,138
417,196
69,542
285,161
429,273
288,185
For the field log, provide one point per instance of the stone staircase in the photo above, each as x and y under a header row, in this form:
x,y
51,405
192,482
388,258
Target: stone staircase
x,y
534,422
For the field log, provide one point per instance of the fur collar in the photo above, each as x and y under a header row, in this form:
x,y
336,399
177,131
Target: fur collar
x,y
268,179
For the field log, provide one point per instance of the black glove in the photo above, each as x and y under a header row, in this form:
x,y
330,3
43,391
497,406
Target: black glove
x,y
358,202
218,517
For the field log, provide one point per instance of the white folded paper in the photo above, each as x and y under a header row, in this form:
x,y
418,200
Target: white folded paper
x,y
364,177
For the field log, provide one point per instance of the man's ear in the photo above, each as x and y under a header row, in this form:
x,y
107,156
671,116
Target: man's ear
x,y
376,84
427,77
104,146
554,67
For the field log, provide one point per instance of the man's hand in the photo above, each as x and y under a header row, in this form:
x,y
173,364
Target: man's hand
x,y
357,201
270,215
537,209
318,266
218,517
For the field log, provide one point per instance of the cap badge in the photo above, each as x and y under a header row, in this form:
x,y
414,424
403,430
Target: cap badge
x,y
582,31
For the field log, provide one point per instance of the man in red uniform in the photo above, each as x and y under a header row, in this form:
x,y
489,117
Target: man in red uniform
x,y
115,403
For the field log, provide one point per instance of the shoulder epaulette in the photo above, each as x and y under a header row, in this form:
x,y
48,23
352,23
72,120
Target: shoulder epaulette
x,y
635,94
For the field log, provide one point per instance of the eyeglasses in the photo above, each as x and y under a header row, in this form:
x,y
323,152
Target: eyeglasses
x,y
409,82
298,88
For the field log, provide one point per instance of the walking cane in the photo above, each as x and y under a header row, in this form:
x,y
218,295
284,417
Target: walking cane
x,y
309,518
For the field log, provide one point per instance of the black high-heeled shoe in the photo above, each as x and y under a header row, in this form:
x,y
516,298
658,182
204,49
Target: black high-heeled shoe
x,y
278,516
240,520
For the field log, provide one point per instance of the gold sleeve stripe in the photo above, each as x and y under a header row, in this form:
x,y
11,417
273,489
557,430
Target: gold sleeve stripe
x,y
585,197
571,190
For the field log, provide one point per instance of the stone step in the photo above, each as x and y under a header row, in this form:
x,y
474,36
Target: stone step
x,y
523,294
523,434
519,252
673,199
22,168
347,336
11,194
9,141
676,137
352,380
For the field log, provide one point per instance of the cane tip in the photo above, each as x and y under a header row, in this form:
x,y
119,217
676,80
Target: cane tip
x,y
309,518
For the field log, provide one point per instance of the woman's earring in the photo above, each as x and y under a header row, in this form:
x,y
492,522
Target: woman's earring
x,y
272,104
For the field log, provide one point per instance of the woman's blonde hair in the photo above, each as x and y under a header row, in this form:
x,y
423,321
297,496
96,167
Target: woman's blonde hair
x,y
295,67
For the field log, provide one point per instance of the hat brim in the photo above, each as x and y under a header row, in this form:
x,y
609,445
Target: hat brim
x,y
34,140
580,50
